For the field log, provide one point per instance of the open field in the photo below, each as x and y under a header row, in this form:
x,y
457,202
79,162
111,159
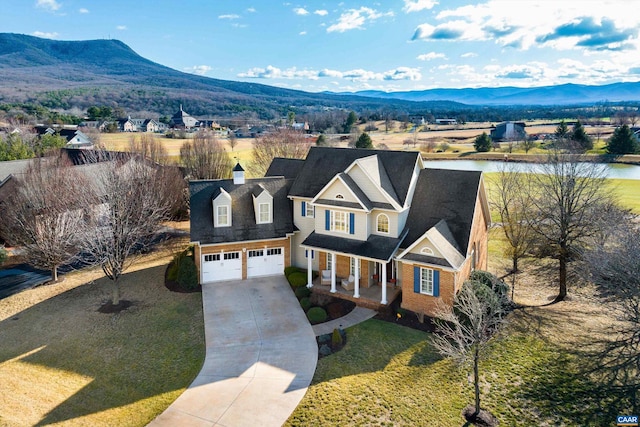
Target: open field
x,y
64,363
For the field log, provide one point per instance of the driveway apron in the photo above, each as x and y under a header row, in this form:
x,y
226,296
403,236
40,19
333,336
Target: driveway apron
x,y
261,355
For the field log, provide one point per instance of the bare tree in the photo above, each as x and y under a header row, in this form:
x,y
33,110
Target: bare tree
x,y
615,268
233,140
568,191
463,331
286,143
44,216
149,147
129,213
204,157
511,199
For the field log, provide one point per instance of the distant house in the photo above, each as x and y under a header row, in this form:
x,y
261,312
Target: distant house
x,y
127,125
372,222
94,124
302,127
182,120
446,121
509,131
150,125
75,138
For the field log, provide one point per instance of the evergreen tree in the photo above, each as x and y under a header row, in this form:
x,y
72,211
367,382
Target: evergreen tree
x,y
622,141
580,136
482,143
322,141
352,118
364,141
562,131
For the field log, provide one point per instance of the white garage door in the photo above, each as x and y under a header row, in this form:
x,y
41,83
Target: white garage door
x,y
225,266
265,262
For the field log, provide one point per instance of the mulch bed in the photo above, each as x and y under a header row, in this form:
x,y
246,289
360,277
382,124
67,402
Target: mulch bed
x,y
110,308
407,318
338,308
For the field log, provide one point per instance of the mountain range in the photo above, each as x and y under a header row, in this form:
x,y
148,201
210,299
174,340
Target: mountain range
x,y
566,94
67,74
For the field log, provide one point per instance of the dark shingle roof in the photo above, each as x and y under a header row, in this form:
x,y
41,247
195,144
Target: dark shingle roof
x,y
243,218
323,163
448,195
427,259
289,168
376,247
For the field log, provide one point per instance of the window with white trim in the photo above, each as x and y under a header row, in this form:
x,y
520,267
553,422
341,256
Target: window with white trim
x,y
352,266
329,261
427,251
264,213
426,281
339,221
213,257
383,223
231,255
311,210
222,215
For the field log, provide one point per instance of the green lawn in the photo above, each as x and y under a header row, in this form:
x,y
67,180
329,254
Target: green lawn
x,y
400,381
628,191
63,362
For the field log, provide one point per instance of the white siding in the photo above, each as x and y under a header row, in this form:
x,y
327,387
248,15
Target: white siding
x,y
306,225
426,243
338,187
367,185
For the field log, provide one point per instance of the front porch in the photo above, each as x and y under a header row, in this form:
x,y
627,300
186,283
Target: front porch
x,y
370,297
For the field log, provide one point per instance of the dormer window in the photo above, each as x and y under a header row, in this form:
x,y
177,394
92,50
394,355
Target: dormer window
x,y
222,216
264,214
383,224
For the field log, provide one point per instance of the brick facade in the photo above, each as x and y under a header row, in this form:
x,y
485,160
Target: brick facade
x,y
343,268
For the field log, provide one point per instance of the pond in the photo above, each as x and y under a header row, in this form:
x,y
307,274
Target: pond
x,y
616,170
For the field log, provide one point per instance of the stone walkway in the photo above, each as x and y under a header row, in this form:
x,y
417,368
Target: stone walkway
x,y
357,315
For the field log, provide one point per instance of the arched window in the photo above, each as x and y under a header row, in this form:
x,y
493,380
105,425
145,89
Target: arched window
x,y
427,251
339,196
383,223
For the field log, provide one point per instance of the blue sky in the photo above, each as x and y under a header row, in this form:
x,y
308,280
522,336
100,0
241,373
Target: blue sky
x,y
358,45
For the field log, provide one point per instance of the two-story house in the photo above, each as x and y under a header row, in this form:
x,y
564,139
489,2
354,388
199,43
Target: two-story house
x,y
376,218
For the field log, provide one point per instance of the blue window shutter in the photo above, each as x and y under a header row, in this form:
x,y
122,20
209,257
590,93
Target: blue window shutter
x,y
327,219
352,223
416,280
313,254
304,208
436,283
306,252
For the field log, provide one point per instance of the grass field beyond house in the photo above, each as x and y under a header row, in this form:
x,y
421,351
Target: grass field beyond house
x,y
64,363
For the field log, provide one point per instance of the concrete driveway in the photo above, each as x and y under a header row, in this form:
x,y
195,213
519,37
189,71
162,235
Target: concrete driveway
x,y
261,357
21,277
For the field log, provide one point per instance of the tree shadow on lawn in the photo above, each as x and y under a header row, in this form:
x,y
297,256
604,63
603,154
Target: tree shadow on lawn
x,y
145,351
565,381
369,348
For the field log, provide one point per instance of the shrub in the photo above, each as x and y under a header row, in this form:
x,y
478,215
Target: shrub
x,y
336,339
290,269
305,303
316,315
297,279
320,299
302,292
325,350
324,339
172,272
187,273
3,254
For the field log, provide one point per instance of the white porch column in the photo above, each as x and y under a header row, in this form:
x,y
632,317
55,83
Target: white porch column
x,y
333,272
383,283
356,275
309,268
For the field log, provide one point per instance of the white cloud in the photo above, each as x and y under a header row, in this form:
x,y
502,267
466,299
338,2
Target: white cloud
x,y
360,75
430,56
469,55
300,11
45,35
121,27
83,10
302,33
251,10
418,5
321,12
229,16
355,19
200,70
51,5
